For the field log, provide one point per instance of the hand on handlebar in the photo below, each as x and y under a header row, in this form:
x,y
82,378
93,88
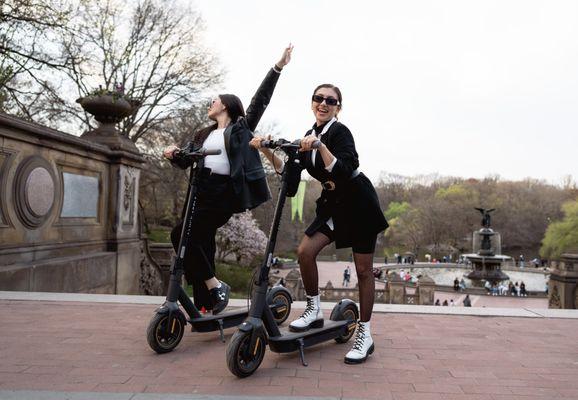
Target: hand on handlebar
x,y
257,140
309,143
169,152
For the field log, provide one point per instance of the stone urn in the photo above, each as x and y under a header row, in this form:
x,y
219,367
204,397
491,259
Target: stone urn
x,y
109,109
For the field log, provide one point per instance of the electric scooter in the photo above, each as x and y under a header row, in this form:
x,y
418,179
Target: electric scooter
x,y
166,328
246,349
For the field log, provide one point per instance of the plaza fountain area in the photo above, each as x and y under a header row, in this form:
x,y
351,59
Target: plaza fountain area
x,y
484,264
444,274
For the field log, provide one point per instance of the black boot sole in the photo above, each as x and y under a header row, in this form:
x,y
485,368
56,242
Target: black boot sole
x,y
360,360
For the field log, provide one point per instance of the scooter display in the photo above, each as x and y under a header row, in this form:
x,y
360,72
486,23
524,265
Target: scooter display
x,y
166,328
246,349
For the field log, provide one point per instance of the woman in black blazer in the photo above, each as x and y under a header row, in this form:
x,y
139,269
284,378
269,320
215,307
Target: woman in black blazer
x,y
348,213
232,182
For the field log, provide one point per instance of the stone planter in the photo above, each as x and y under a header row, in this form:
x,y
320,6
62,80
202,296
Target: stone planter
x,y
109,110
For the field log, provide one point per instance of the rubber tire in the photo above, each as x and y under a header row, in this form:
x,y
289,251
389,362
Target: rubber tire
x,y
282,298
156,326
348,313
239,366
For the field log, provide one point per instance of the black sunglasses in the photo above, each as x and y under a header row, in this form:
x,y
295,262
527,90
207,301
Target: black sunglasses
x,y
330,101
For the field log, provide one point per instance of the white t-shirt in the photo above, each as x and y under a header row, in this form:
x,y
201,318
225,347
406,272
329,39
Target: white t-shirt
x,y
218,164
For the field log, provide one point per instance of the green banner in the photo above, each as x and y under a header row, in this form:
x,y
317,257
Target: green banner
x,y
297,202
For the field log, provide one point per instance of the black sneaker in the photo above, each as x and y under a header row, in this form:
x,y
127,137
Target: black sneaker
x,y
220,297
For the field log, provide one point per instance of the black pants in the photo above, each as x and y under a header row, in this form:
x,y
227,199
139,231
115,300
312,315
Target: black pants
x,y
212,211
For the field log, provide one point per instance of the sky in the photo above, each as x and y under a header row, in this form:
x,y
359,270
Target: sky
x,y
458,88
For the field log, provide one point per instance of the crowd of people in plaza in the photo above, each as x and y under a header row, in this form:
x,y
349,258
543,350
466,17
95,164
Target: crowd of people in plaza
x,y
506,289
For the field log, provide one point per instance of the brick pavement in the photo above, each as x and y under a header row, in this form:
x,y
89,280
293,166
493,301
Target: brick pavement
x,y
85,347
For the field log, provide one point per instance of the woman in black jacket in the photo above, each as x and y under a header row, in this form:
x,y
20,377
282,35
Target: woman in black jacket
x,y
231,182
348,213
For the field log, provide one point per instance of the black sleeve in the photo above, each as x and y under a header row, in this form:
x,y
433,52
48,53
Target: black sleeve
x,y
342,146
261,99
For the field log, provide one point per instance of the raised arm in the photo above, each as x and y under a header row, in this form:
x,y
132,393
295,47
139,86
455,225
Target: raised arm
x,y
262,97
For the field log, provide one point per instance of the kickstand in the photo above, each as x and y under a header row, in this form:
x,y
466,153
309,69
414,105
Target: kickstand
x,y
302,352
221,332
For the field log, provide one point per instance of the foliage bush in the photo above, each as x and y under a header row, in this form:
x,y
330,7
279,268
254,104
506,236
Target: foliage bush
x,y
562,236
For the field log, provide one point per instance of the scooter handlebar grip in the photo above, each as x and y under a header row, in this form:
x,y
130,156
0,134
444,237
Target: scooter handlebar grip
x,y
215,152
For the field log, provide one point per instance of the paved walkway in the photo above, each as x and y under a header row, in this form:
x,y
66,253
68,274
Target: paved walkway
x,y
71,348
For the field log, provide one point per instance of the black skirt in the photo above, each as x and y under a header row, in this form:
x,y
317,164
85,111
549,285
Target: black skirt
x,y
354,208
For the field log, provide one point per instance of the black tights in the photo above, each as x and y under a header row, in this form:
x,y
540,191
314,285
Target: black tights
x,y
307,252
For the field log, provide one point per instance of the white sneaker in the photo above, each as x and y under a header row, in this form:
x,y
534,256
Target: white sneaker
x,y
312,317
363,345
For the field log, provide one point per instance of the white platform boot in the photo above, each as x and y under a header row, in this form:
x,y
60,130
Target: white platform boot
x,y
312,317
363,345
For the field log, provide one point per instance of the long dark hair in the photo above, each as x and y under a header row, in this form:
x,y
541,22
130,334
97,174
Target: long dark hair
x,y
330,86
235,110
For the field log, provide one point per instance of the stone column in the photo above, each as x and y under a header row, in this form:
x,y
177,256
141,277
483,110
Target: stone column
x,y
396,289
426,290
123,235
562,287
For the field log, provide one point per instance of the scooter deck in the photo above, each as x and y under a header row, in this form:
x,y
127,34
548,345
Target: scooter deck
x,y
210,322
288,341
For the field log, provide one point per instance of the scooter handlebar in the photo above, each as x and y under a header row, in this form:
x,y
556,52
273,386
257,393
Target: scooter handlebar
x,y
202,152
296,144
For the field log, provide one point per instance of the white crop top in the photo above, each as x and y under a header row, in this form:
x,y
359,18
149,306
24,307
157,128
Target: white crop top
x,y
218,164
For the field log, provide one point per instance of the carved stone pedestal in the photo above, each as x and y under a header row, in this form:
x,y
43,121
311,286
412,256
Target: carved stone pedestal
x,y
562,288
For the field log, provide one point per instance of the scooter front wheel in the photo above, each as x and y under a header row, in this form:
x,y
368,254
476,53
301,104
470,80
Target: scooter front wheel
x,y
280,299
243,360
345,310
164,335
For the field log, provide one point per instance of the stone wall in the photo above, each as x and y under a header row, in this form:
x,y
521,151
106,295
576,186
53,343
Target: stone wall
x,y
68,212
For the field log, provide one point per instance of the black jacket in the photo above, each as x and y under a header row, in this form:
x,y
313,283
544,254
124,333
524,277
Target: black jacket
x,y
247,173
353,205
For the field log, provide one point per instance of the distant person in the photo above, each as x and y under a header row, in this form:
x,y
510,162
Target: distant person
x,y
456,284
521,261
399,259
488,287
462,284
523,289
346,276
452,304
437,303
428,258
517,289
467,302
445,303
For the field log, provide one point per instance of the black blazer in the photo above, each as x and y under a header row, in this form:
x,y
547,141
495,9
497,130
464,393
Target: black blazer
x,y
353,205
247,173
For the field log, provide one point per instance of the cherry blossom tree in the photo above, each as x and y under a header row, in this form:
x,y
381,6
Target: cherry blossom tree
x,y
240,238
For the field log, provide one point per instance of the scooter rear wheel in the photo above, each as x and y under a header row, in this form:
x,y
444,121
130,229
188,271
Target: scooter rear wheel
x,y
163,338
241,359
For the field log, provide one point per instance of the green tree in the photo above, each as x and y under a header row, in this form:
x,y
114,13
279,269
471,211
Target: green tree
x,y
562,236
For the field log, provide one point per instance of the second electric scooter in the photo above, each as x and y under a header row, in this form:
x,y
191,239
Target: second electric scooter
x,y
246,350
166,328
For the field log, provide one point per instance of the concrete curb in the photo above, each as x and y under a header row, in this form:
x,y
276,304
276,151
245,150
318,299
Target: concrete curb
x,y
53,395
378,308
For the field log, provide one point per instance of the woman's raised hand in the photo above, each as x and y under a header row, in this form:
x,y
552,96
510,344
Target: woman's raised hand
x,y
285,57
170,151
